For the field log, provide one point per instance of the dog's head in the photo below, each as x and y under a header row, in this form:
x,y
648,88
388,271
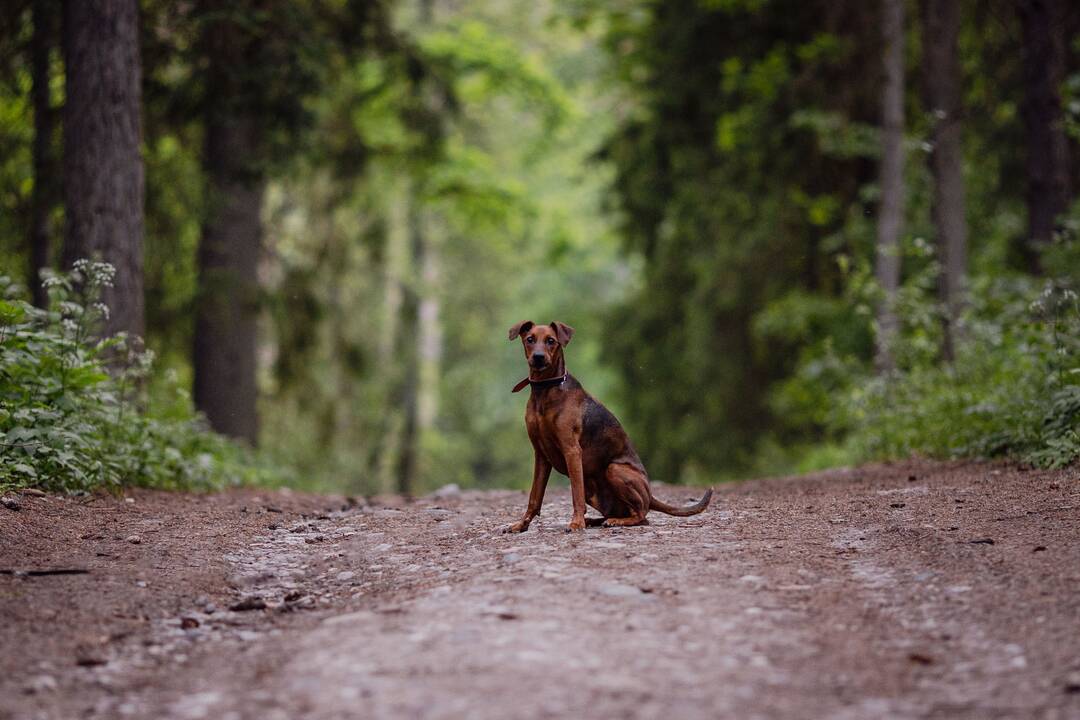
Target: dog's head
x,y
543,343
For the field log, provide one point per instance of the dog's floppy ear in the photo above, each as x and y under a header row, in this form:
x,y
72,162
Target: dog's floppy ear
x,y
522,327
562,331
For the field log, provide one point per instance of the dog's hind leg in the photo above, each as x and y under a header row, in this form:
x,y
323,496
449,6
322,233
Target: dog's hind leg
x,y
631,488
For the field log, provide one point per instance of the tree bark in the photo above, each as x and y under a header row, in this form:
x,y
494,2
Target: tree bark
x,y
229,249
1048,190
891,209
941,72
103,168
42,41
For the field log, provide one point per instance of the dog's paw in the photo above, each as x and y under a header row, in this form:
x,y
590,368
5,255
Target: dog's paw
x,y
576,525
518,527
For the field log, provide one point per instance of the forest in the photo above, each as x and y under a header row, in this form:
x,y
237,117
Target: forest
x,y
280,241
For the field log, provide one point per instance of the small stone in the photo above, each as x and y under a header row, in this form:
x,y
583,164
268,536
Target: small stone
x,y
130,500
33,492
345,575
451,490
40,684
140,583
620,590
90,660
134,539
510,558
920,658
253,602
188,623
11,502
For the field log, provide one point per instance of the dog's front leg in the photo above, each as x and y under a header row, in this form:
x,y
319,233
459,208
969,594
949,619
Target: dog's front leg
x,y
577,488
541,473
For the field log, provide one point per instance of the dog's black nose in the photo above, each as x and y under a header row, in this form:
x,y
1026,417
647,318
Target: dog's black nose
x,y
538,359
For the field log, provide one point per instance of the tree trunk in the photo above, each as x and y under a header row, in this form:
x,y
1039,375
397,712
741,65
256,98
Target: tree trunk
x,y
421,338
429,336
891,210
941,72
42,41
395,324
408,394
1047,148
103,168
228,300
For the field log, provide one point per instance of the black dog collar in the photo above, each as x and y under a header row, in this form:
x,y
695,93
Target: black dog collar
x,y
538,383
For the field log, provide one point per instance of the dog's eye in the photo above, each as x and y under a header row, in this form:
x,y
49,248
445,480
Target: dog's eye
x,y
551,341
530,339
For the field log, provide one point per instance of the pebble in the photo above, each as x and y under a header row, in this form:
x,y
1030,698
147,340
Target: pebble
x,y
451,490
40,684
33,492
620,590
346,575
10,502
134,539
249,603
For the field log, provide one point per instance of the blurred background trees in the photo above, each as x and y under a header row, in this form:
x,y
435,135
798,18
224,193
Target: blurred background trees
x,y
790,234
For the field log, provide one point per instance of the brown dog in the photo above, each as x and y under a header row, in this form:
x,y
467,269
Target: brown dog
x,y
573,433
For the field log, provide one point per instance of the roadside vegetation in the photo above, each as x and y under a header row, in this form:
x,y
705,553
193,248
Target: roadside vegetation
x,y
79,411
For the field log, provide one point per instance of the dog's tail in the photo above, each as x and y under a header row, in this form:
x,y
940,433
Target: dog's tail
x,y
694,509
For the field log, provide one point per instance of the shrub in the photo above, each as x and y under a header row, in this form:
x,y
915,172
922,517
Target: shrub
x,y
74,414
1013,390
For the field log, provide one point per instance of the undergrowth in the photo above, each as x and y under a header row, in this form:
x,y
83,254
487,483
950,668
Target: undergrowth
x,y
74,411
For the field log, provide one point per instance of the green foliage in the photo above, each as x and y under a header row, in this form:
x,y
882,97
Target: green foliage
x,y
1013,390
691,184
71,415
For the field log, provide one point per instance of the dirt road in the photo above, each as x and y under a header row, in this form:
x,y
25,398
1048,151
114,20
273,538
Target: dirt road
x,y
913,590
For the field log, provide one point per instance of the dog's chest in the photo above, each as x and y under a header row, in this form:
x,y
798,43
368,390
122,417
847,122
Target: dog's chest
x,y
544,436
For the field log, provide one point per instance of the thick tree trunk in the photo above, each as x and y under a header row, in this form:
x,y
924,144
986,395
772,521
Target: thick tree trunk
x,y
103,168
395,324
1047,148
40,241
941,72
228,303
891,209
